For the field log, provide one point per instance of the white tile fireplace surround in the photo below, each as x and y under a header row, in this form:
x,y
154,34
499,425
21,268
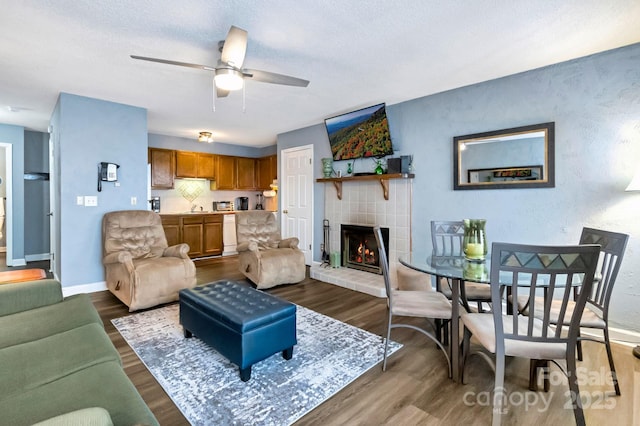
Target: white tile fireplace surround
x,y
363,203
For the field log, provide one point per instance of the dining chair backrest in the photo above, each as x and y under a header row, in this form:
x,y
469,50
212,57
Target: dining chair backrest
x,y
384,261
447,237
612,250
553,270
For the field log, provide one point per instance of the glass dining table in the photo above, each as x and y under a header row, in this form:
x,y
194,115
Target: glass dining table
x,y
458,270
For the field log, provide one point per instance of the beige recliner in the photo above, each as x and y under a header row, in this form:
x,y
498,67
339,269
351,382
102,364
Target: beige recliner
x,y
141,270
263,256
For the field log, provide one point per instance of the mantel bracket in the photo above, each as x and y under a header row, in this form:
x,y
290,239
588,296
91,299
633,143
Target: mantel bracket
x,y
338,185
385,188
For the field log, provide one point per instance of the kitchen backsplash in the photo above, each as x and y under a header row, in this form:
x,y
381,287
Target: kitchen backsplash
x,y
177,200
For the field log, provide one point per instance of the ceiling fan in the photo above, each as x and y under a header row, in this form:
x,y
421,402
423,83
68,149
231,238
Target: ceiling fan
x,y
228,73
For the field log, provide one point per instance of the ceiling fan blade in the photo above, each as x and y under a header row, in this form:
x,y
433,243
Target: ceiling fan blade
x,y
235,47
182,64
272,77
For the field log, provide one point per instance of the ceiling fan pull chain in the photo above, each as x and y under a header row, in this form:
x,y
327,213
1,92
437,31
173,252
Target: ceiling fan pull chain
x,y
244,109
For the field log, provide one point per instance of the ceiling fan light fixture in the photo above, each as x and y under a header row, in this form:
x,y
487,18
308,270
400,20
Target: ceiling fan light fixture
x,y
205,137
229,79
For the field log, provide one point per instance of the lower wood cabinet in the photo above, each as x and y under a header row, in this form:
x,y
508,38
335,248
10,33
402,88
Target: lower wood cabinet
x,y
202,232
171,225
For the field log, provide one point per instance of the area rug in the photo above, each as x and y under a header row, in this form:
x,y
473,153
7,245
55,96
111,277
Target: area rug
x,y
207,388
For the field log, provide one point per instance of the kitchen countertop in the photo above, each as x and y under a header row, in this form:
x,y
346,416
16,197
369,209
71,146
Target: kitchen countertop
x,y
204,212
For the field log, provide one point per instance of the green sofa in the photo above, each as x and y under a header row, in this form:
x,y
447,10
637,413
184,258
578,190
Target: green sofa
x,y
57,360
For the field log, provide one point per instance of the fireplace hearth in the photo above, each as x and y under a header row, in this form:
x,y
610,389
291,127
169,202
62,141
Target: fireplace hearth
x,y
359,248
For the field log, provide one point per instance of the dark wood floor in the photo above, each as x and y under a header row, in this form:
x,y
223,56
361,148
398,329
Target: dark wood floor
x,y
415,389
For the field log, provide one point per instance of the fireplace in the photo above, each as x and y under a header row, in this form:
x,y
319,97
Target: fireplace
x,y
359,248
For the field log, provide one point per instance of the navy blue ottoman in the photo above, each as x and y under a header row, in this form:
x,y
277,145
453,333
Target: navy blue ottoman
x,y
243,324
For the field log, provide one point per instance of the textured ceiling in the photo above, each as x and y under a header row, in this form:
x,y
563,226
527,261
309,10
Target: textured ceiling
x,y
355,53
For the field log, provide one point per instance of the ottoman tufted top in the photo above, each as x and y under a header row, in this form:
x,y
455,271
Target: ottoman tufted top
x,y
241,307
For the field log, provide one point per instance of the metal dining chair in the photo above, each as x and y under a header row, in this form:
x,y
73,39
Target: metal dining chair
x,y
596,312
446,239
525,269
425,304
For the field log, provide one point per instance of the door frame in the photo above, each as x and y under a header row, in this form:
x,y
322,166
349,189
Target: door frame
x,y
8,213
283,188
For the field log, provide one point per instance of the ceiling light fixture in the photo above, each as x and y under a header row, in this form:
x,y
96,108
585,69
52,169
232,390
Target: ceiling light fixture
x,y
205,137
229,79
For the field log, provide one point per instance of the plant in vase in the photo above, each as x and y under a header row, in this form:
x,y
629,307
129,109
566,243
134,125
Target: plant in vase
x,y
379,166
475,239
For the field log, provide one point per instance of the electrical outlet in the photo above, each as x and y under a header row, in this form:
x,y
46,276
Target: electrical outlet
x,y
134,201
80,200
90,201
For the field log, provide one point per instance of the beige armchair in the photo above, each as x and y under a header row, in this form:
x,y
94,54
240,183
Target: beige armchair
x,y
263,256
140,268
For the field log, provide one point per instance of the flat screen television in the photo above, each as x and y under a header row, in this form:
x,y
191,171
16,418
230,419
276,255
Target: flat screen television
x,y
361,133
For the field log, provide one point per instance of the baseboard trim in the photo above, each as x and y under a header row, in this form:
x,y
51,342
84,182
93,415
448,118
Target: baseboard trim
x,y
37,257
84,288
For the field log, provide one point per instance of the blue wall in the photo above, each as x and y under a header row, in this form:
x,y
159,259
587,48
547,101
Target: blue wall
x,y
185,144
15,136
595,104
86,132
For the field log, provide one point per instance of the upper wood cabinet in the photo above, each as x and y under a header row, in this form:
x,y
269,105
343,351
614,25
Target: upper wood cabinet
x,y
246,173
267,171
162,168
206,166
226,172
195,165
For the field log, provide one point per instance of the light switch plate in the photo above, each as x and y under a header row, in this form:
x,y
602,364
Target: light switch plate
x,y
90,201
80,200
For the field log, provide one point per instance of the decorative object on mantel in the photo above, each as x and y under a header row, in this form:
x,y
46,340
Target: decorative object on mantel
x,y
475,239
205,137
327,167
206,388
379,167
383,179
349,168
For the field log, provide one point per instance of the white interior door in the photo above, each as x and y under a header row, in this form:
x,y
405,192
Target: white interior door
x,y
296,191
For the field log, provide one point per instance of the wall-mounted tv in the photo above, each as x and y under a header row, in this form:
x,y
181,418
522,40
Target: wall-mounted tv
x,y
361,133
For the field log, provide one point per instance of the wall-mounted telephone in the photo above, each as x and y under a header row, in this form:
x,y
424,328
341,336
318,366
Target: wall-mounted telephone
x,y
107,172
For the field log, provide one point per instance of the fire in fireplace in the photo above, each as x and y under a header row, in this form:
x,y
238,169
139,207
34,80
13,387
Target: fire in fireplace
x,y
359,248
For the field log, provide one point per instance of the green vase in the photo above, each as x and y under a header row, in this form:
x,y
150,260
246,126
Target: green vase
x,y
327,167
474,243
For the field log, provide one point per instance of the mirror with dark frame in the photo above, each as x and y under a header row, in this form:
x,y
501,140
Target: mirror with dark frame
x,y
521,157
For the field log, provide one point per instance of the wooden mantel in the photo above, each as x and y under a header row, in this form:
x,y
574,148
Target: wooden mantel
x,y
383,179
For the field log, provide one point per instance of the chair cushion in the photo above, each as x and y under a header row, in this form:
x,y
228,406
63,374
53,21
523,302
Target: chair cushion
x,y
94,416
482,328
410,279
139,232
474,291
429,304
590,317
26,326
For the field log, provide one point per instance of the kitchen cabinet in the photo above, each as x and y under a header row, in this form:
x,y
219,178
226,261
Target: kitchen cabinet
x,y
226,172
267,171
162,168
171,225
246,173
202,232
212,235
195,165
192,234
